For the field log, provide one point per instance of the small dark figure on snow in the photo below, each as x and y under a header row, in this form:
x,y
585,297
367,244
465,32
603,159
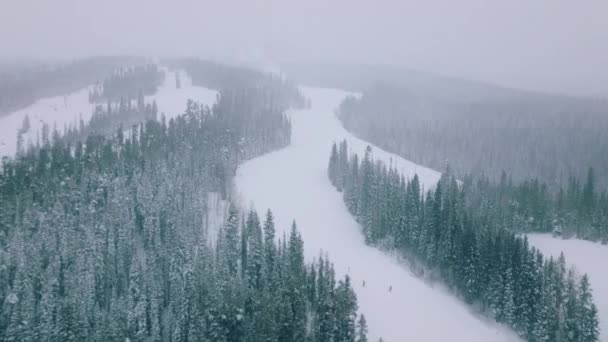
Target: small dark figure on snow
x,y
364,283
390,288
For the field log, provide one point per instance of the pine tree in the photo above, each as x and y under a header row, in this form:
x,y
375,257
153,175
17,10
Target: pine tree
x,y
297,278
346,311
256,250
361,329
507,311
230,248
588,320
589,192
141,105
269,244
365,205
571,324
26,125
332,169
342,164
137,302
352,191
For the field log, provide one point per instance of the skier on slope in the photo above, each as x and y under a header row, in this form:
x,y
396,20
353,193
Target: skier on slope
x,y
390,288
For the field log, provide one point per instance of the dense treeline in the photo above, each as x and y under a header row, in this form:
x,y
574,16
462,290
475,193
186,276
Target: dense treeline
x,y
110,118
104,121
578,209
130,82
222,76
264,128
461,240
20,87
430,132
528,135
219,76
107,240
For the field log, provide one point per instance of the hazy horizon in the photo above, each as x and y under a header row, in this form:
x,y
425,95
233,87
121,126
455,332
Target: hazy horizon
x,y
549,46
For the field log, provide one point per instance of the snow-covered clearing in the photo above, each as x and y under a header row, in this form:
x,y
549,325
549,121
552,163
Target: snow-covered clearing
x,y
57,111
586,257
293,182
172,101
66,110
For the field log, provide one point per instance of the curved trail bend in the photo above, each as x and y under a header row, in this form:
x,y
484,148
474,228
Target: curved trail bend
x,y
293,182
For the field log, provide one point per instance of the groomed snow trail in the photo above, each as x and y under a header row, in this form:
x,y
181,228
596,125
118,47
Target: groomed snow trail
x,y
293,183
586,257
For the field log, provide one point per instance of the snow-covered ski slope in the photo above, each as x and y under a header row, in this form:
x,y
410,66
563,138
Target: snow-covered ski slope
x,y
293,182
172,101
586,257
55,111
65,110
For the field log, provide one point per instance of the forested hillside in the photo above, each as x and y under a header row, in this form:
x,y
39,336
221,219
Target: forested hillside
x,y
104,238
459,234
579,209
532,157
128,82
111,118
527,135
20,87
218,76
222,76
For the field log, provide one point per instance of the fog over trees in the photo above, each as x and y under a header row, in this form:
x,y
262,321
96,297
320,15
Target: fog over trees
x,y
458,233
164,171
22,86
104,234
549,138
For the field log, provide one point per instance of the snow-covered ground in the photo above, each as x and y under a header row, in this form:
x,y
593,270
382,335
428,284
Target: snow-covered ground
x,y
586,257
293,182
55,111
65,110
172,101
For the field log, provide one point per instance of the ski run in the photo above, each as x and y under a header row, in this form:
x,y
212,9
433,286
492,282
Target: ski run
x,y
293,182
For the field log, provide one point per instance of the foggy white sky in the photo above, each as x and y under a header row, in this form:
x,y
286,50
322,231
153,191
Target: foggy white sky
x,y
550,45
